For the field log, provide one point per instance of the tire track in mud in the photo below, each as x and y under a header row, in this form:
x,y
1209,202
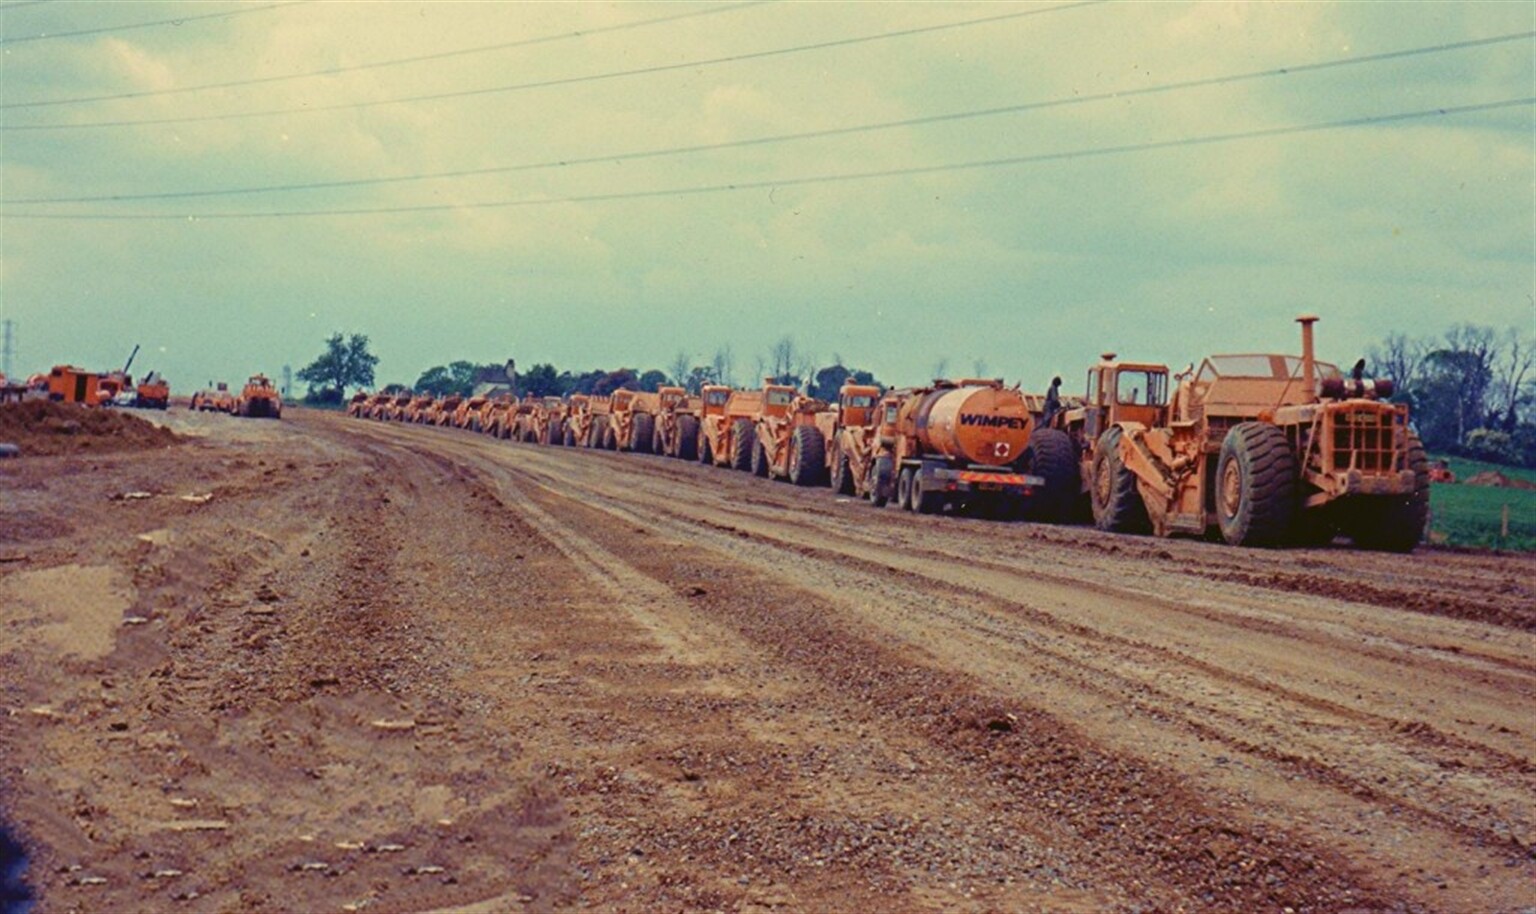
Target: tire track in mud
x,y
1199,720
1172,834
1471,596
878,833
1091,794
645,503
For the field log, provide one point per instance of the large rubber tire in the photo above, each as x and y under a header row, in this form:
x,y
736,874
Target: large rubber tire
x,y
556,432
597,434
687,438
706,453
880,481
1052,456
1117,504
743,444
925,500
904,489
1256,499
642,430
807,456
569,437
1396,523
761,467
841,480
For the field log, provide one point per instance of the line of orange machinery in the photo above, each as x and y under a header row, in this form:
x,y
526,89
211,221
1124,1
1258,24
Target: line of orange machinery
x,y
69,384
1253,449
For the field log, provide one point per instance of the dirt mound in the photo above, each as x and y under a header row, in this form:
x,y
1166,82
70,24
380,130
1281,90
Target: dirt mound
x,y
42,427
1498,480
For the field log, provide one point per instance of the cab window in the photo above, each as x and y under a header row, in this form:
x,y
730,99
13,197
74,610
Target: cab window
x,y
1141,388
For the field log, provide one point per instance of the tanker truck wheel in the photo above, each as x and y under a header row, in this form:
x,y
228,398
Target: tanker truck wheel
x,y
842,475
807,457
641,434
687,438
1117,505
880,482
904,489
926,500
1394,523
1051,455
743,444
1256,486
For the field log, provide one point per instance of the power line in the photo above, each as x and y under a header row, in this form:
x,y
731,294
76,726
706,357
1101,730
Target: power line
x,y
564,81
1068,155
804,135
422,58
179,20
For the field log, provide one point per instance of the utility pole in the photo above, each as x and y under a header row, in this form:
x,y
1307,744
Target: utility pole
x,y
7,347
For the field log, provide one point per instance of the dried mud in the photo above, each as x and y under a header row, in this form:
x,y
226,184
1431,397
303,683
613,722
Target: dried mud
x,y
45,428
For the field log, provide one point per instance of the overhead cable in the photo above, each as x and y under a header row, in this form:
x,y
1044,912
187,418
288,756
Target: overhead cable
x,y
789,137
420,58
561,81
179,20
908,171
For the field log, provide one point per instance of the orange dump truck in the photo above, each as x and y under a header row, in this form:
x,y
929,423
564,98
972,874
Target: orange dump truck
x,y
357,407
726,438
546,424
973,444
854,443
258,399
443,410
788,443
578,421
676,432
152,393
632,420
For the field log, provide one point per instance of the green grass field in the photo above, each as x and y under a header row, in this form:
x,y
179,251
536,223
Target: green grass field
x,y
1463,515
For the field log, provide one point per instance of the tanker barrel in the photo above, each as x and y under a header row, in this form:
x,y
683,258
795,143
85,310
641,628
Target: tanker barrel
x,y
985,425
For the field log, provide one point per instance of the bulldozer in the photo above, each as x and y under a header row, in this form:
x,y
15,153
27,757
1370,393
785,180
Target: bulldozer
x,y
258,399
972,444
1265,450
676,432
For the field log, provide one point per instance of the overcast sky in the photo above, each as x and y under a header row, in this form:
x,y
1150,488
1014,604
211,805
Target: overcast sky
x,y
1052,244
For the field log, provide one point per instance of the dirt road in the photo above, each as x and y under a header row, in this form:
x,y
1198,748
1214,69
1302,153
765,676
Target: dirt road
x,y
400,668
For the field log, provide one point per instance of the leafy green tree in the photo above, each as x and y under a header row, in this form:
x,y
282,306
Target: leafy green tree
x,y
652,380
541,380
346,362
456,378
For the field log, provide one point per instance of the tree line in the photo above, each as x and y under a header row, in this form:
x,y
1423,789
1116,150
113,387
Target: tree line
x,y
1470,391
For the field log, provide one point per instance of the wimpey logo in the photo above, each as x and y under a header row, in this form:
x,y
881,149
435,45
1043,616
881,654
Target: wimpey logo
x,y
981,421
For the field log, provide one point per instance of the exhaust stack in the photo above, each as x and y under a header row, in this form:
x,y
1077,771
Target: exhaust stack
x,y
1308,363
